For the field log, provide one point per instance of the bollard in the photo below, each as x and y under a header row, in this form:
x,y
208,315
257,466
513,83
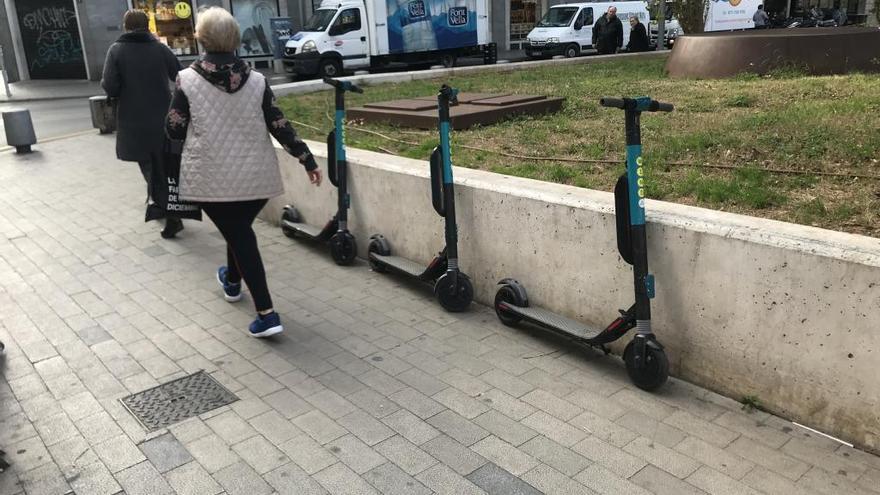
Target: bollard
x,y
19,129
103,110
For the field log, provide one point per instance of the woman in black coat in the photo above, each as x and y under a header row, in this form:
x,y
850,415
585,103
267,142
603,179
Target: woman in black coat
x,y
638,36
139,71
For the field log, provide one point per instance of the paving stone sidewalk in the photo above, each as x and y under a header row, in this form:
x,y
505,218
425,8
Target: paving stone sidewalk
x,y
372,388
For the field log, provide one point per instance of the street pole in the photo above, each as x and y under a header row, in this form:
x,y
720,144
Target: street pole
x,y
661,26
5,75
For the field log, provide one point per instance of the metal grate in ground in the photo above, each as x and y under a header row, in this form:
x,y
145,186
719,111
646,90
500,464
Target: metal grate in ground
x,y
177,400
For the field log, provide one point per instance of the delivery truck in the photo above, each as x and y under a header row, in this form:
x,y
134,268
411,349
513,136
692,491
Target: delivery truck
x,y
362,34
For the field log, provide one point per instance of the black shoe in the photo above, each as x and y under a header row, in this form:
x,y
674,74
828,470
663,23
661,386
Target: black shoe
x,y
172,227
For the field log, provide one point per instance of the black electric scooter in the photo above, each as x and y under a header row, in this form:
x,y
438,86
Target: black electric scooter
x,y
451,286
343,247
646,362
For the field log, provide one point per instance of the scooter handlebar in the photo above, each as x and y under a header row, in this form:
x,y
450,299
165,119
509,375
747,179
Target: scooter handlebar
x,y
612,102
634,104
343,85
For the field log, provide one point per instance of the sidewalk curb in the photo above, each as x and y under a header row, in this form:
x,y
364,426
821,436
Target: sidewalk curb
x,y
5,149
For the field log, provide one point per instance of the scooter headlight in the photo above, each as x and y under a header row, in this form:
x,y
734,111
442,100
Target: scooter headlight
x,y
309,46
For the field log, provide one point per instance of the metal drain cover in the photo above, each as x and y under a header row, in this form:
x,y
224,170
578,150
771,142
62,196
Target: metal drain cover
x,y
177,400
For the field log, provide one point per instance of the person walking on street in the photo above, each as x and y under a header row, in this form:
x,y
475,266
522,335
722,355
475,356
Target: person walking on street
x,y
608,32
139,71
761,19
224,112
638,36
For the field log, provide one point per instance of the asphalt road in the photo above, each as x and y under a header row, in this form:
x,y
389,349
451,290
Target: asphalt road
x,y
54,118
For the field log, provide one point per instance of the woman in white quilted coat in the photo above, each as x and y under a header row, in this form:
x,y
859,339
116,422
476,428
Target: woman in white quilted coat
x,y
224,112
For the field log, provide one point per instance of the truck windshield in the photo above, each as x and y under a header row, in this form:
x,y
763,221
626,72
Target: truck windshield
x,y
320,20
558,17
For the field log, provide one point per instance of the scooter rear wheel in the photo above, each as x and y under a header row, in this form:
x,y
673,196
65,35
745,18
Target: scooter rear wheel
x,y
343,248
291,215
508,295
455,297
655,371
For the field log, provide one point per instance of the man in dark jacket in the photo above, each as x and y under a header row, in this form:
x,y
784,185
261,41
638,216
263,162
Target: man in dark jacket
x,y
638,36
139,71
608,32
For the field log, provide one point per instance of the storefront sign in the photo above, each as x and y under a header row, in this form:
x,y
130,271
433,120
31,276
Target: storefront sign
x,y
183,10
282,31
50,36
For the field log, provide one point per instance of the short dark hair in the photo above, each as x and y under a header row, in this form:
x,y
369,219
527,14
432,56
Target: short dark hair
x,y
135,20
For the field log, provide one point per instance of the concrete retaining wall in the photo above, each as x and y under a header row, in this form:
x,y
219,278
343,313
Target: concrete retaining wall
x,y
745,306
303,87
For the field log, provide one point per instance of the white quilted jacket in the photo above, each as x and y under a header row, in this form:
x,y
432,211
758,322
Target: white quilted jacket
x,y
228,154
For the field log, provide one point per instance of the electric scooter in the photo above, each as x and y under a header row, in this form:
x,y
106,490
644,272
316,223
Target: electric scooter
x,y
343,247
646,361
451,286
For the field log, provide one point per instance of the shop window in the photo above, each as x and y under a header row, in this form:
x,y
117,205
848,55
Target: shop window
x,y
172,23
253,17
523,17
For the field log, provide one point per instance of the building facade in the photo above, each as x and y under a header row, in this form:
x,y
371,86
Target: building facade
x,y
68,39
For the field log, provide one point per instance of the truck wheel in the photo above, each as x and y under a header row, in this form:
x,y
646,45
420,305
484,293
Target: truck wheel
x,y
572,51
330,67
448,60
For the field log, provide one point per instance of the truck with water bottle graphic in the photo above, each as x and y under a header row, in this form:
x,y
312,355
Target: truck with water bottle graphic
x,y
364,34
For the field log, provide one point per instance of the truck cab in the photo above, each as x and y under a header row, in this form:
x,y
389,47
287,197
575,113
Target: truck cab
x,y
568,29
334,39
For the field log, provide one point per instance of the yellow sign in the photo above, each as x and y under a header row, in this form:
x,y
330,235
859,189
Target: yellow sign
x,y
183,10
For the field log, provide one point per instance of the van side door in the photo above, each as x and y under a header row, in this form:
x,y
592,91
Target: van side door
x,y
348,37
584,35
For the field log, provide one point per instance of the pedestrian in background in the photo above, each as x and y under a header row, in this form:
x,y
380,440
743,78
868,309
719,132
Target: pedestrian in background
x,y
761,19
224,113
638,36
608,32
138,72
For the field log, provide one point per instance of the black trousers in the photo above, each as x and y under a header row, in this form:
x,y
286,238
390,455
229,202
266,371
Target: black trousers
x,y
147,167
235,221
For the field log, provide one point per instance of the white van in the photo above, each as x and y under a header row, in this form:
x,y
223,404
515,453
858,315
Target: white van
x,y
358,34
568,29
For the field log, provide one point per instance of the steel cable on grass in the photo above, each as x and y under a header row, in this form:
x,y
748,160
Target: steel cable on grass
x,y
605,161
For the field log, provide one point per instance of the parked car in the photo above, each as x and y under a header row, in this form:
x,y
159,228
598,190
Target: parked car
x,y
673,31
360,34
568,29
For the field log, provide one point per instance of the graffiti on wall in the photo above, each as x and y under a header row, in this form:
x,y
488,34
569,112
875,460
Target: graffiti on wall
x,y
50,34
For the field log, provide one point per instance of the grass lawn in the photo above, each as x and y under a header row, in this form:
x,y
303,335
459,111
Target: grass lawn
x,y
785,122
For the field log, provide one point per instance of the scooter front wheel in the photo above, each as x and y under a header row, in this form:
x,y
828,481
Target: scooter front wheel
x,y
650,375
454,296
343,248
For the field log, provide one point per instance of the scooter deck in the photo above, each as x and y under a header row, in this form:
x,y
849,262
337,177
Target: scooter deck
x,y
554,321
403,265
303,228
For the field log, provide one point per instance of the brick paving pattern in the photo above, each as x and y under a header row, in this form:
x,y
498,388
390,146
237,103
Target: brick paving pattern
x,y
373,388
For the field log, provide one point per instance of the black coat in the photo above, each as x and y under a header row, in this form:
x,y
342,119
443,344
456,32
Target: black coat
x,y
638,39
608,34
138,71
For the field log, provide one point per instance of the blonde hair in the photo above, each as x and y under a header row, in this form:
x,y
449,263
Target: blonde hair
x,y
217,30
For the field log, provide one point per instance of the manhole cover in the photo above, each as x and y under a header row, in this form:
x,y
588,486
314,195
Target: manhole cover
x,y
177,400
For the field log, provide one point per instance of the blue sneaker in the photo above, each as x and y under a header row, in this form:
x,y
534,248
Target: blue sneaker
x,y
231,292
266,325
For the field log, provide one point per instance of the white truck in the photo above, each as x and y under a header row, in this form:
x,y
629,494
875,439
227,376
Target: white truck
x,y
346,35
568,29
